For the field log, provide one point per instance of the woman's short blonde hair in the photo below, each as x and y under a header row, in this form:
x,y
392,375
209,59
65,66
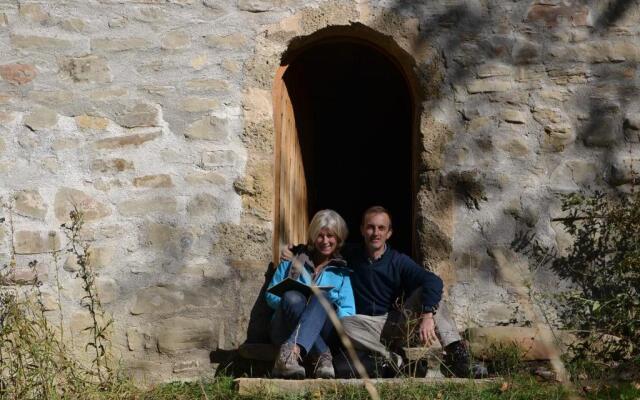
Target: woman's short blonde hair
x,y
331,220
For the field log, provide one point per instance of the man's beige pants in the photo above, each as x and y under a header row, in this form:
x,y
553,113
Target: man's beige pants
x,y
371,333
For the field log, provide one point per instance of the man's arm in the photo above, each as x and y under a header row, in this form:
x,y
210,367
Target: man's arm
x,y
291,250
413,277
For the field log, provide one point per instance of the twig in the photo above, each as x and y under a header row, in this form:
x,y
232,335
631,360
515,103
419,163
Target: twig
x,y
346,342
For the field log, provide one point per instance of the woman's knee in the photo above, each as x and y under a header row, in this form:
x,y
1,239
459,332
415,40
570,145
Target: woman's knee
x,y
293,299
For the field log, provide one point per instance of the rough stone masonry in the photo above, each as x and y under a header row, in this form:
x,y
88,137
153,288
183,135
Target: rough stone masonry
x,y
155,118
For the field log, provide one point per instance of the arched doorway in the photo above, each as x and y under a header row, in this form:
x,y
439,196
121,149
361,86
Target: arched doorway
x,y
345,120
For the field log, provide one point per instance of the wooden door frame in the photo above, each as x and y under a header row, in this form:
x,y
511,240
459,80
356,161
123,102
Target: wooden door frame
x,y
278,87
412,87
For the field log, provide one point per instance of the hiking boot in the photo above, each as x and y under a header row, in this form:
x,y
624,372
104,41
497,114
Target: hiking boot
x,y
324,366
392,366
287,364
457,363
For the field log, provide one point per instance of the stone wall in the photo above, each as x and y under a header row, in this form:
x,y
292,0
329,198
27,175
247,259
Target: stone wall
x,y
155,117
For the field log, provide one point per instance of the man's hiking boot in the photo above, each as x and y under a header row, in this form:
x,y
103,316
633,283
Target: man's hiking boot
x,y
392,367
323,366
457,363
287,364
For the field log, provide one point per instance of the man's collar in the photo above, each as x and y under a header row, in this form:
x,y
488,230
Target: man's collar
x,y
371,261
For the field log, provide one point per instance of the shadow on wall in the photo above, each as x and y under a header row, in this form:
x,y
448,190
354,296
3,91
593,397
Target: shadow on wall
x,y
468,37
234,362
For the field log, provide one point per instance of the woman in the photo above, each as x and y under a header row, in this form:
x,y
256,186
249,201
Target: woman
x,y
300,325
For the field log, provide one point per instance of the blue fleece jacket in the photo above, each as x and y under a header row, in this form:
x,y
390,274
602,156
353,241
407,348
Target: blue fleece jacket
x,y
378,284
341,295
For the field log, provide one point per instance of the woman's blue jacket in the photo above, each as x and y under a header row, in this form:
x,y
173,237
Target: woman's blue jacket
x,y
341,295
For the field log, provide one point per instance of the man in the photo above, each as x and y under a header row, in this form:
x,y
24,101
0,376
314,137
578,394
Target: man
x,y
380,276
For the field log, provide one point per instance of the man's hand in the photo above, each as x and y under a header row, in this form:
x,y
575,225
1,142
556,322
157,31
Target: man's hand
x,y
287,252
427,330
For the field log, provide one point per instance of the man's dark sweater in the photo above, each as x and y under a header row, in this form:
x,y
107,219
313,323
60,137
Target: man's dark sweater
x,y
377,285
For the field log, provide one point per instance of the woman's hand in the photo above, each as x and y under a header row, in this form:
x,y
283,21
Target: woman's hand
x,y
427,330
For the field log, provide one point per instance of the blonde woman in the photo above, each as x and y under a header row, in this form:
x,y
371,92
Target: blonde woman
x,y
300,325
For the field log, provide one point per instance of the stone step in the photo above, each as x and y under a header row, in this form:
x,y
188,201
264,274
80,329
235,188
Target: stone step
x,y
265,387
268,352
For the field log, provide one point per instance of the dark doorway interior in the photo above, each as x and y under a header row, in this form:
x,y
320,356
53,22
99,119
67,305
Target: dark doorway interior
x,y
353,113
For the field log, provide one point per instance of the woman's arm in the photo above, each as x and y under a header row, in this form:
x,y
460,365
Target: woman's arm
x,y
346,303
281,273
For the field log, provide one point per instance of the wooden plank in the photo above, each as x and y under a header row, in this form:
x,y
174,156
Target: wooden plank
x,y
278,87
264,386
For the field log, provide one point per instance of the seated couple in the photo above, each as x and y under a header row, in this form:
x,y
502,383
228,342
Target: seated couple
x,y
366,284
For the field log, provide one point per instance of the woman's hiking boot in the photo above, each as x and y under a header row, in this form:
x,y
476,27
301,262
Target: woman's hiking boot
x,y
287,364
324,366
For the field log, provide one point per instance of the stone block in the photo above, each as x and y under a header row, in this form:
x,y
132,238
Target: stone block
x,y
493,69
203,204
198,62
605,127
181,334
153,181
198,104
86,69
145,206
516,147
255,6
205,178
526,52
35,42
233,41
107,94
219,158
246,244
124,141
62,144
73,25
18,74
558,130
51,98
29,203
99,258
28,275
625,167
41,118
35,242
208,128
3,146
186,366
176,40
527,340
120,44
107,289
256,104
140,115
157,300
90,122
631,127
67,199
571,175
207,85
33,12
514,116
552,14
488,86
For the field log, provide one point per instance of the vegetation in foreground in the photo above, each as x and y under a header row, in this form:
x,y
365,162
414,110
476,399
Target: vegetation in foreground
x,y
517,387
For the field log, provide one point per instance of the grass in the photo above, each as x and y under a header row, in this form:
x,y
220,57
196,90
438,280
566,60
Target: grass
x,y
520,387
